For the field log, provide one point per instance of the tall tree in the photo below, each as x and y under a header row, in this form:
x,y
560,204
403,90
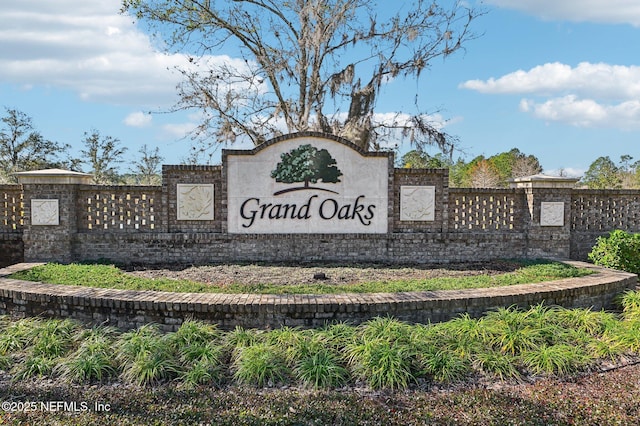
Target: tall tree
x,y
306,64
102,154
602,174
418,159
147,168
629,172
513,164
22,148
484,174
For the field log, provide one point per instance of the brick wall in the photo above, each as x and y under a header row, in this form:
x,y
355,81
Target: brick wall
x,y
11,224
138,224
141,223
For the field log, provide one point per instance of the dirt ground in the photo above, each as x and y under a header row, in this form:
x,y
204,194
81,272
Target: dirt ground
x,y
312,273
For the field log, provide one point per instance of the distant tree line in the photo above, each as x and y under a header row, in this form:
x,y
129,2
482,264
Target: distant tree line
x,y
480,172
497,170
605,173
23,148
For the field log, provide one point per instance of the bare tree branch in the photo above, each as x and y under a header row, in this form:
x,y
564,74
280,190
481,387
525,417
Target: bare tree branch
x,y
308,64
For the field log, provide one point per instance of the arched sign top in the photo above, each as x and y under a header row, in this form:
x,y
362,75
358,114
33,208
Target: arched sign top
x,y
307,183
305,135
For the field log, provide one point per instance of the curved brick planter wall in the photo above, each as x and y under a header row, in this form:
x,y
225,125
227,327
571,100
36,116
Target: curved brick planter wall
x,y
131,309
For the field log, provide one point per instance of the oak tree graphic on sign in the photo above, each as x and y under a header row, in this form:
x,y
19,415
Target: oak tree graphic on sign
x,y
306,164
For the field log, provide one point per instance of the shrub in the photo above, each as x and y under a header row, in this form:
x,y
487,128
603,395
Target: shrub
x,y
620,250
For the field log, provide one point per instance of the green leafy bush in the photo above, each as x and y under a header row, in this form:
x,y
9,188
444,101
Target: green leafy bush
x,y
620,250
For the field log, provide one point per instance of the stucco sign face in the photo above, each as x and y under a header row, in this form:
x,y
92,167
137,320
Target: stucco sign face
x,y
306,185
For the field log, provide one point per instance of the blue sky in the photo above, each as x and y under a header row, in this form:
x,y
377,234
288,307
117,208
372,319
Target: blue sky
x,y
556,79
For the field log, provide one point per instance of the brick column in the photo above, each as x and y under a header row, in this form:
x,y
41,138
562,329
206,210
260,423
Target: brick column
x,y
50,218
548,223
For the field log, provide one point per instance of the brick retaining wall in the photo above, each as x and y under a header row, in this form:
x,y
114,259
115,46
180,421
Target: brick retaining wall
x,y
130,309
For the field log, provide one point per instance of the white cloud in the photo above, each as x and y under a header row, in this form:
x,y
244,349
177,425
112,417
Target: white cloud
x,y
600,80
178,130
588,95
586,112
138,119
601,11
88,48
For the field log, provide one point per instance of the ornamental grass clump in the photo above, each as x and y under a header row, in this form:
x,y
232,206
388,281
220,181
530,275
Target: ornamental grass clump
x,y
293,343
241,337
34,366
260,364
199,349
630,302
382,355
443,365
381,363
463,335
594,323
94,360
53,338
321,368
337,336
46,343
16,335
513,331
146,356
502,366
559,359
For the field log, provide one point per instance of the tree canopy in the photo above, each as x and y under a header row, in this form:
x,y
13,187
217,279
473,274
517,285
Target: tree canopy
x,y
602,173
23,148
102,153
493,172
306,64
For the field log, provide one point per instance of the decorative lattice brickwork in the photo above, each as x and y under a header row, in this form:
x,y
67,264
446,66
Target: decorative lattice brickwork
x,y
11,208
476,210
119,208
605,210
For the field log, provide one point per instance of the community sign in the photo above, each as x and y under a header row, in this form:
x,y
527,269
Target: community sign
x,y
307,184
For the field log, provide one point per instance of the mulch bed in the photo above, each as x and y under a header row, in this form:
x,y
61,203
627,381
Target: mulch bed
x,y
311,273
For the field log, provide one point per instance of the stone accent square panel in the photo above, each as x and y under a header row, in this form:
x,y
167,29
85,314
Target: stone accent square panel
x,y
551,213
195,201
417,203
45,212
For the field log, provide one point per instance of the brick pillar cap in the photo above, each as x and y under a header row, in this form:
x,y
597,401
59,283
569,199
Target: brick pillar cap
x,y
543,181
53,176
